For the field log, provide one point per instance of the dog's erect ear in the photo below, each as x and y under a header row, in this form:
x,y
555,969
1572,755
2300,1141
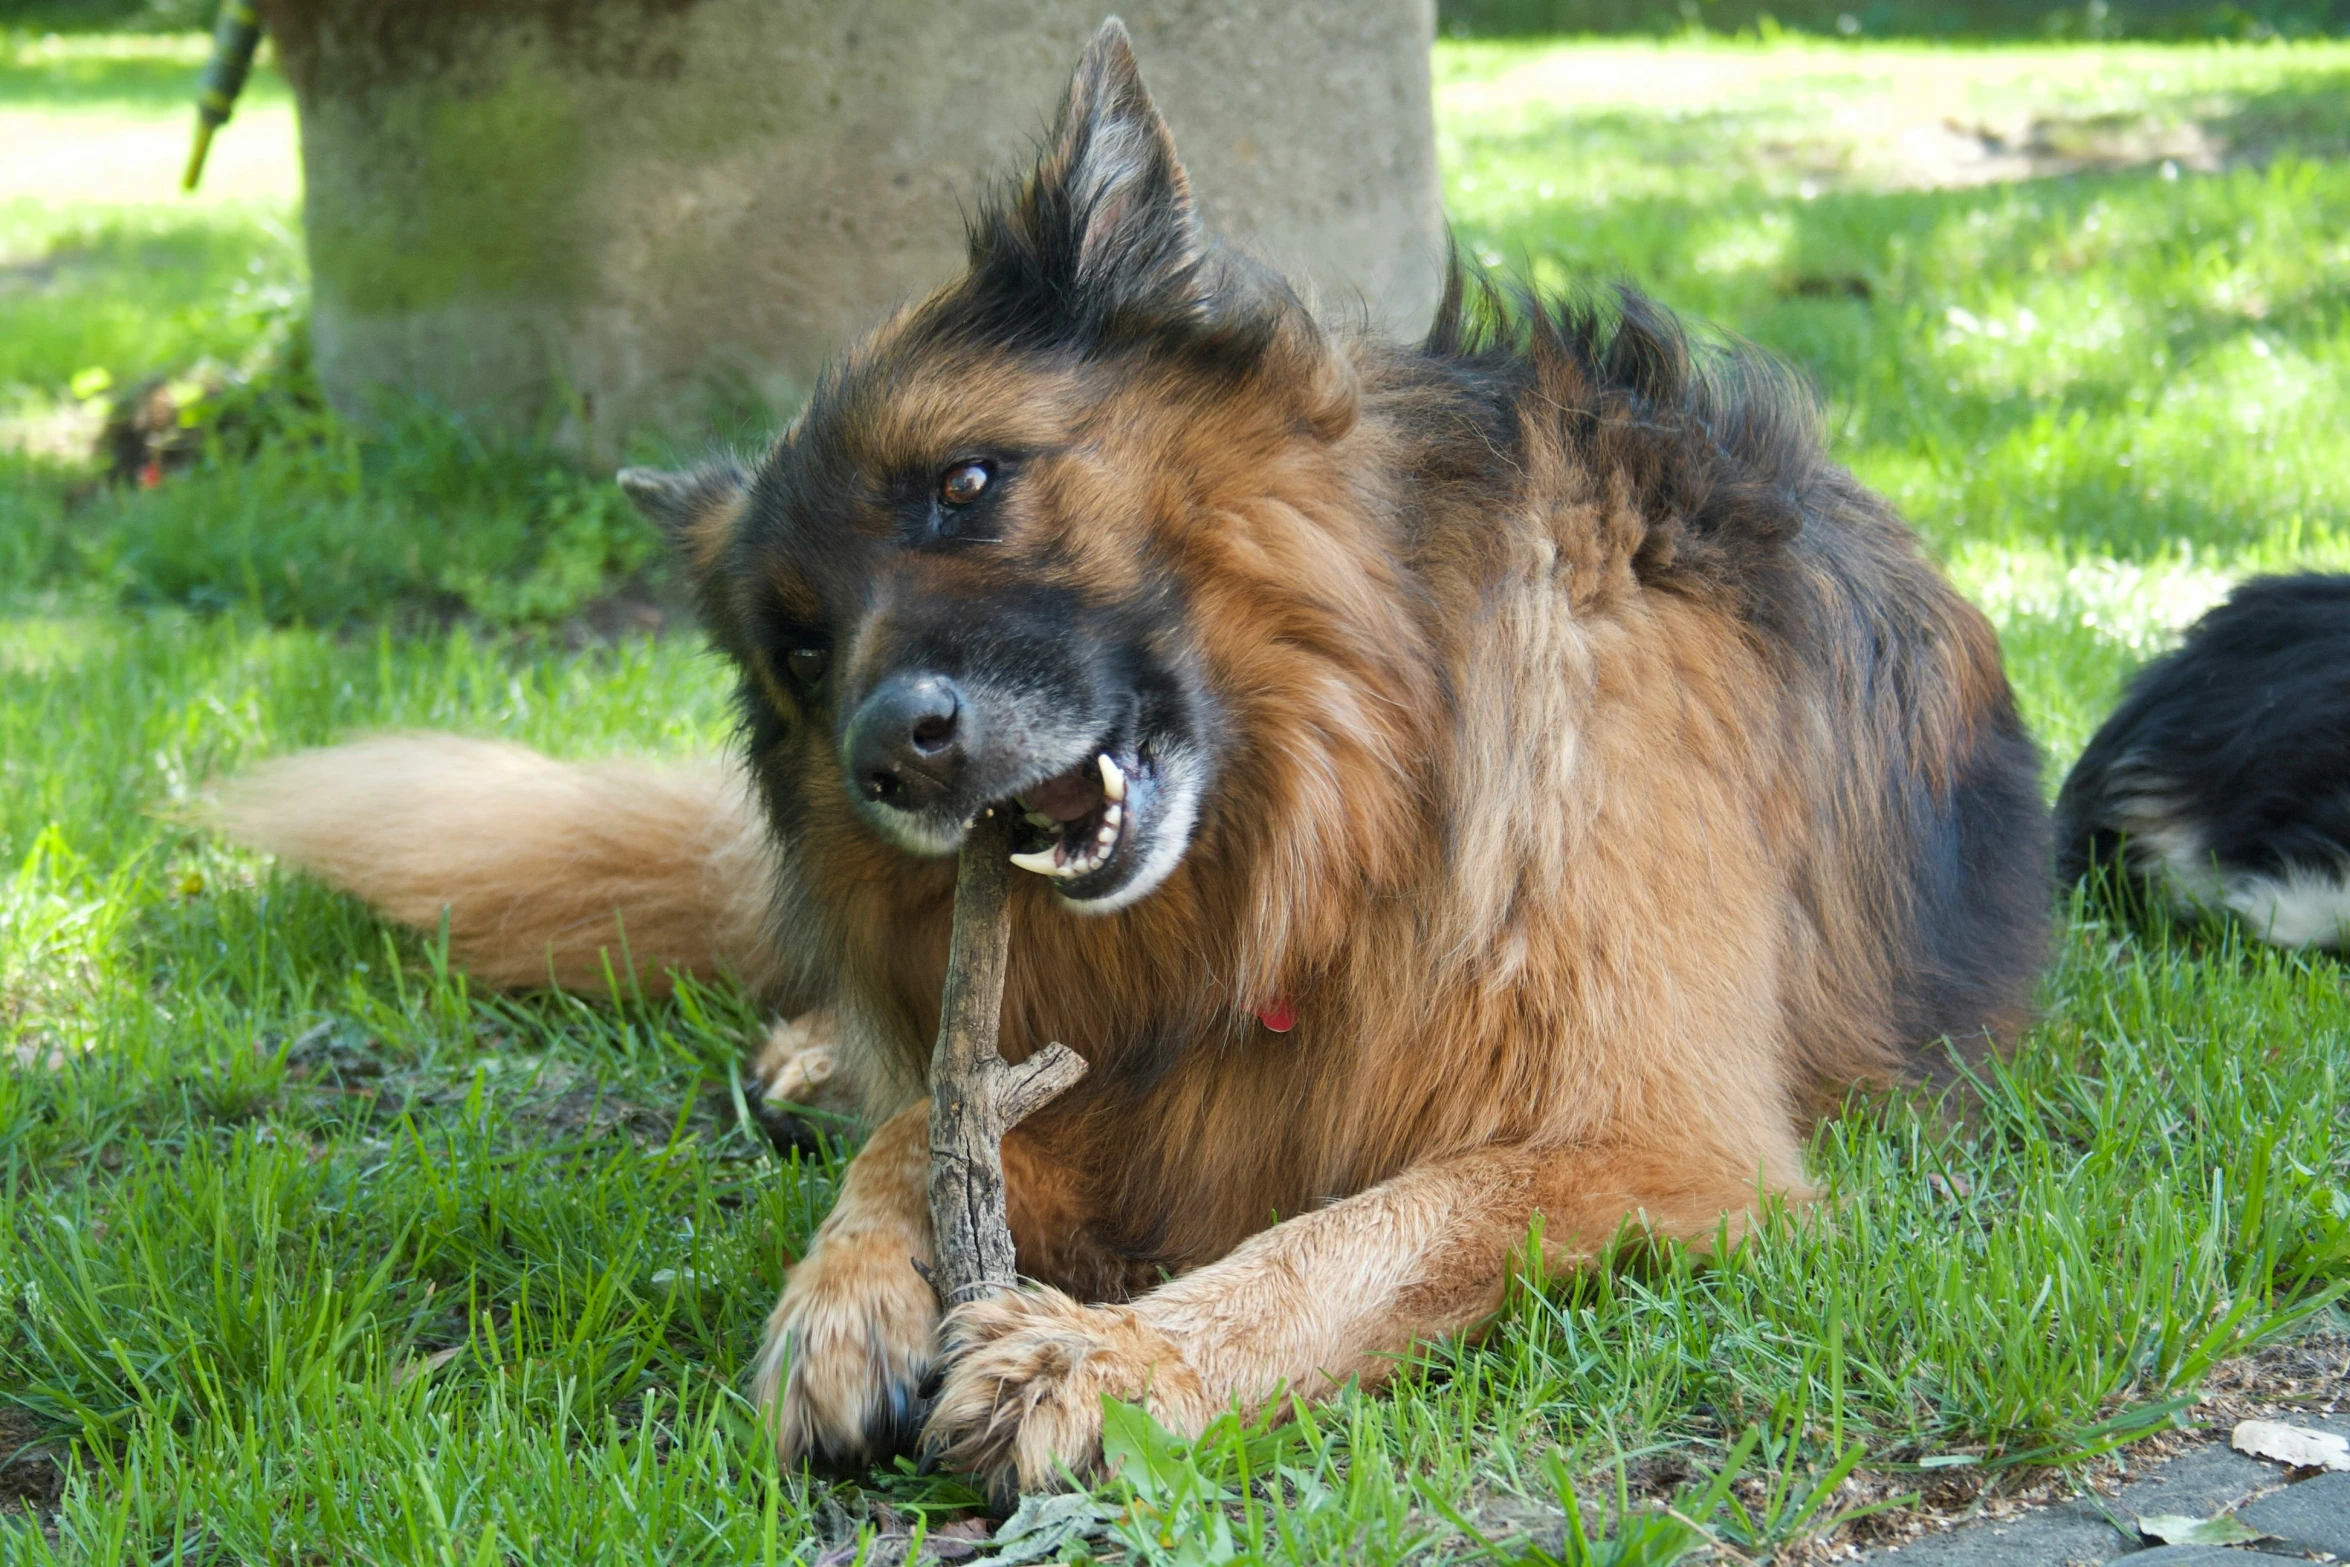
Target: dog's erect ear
x,y
695,510
1109,207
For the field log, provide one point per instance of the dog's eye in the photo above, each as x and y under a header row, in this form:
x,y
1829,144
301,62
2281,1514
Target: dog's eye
x,y
807,664
965,482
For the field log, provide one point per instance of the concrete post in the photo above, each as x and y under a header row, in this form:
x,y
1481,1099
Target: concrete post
x,y
599,216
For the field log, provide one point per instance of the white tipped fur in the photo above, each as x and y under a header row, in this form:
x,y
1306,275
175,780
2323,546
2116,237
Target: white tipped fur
x,y
530,857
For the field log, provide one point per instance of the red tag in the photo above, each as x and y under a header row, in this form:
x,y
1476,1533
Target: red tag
x,y
1277,1015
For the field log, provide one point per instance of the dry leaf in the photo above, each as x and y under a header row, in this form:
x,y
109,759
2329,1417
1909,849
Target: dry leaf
x,y
2179,1529
1050,1527
2295,1445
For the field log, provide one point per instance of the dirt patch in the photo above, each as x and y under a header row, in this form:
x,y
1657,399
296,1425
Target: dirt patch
x,y
1949,154
32,1473
2308,1374
1890,151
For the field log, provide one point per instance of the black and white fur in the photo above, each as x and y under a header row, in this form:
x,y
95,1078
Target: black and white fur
x,y
2224,776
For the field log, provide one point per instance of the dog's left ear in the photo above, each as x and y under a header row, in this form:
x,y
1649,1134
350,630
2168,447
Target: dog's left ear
x,y
695,510
1109,208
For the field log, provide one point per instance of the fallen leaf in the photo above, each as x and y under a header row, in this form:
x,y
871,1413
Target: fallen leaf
x,y
1047,1528
2179,1529
2295,1445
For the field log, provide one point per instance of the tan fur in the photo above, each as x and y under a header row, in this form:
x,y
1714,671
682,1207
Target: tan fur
x,y
548,874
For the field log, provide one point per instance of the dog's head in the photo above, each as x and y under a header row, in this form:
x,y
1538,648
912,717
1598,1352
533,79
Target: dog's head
x,y
971,573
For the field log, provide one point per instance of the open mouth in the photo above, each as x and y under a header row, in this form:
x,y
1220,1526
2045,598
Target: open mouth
x,y
1081,827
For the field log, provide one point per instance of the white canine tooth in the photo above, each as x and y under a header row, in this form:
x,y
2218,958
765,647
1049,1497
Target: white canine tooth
x,y
1040,861
1113,781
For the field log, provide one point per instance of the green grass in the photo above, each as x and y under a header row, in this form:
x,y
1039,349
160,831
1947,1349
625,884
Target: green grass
x,y
308,1252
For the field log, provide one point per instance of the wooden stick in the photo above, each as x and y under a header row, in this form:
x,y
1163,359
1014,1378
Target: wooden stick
x,y
975,1094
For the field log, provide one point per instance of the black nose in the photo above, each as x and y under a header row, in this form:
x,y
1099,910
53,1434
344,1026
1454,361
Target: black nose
x,y
905,746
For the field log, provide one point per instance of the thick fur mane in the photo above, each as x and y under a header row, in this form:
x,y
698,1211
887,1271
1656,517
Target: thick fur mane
x,y
1717,440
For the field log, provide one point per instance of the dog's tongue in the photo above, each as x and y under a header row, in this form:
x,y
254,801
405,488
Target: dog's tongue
x,y
1073,794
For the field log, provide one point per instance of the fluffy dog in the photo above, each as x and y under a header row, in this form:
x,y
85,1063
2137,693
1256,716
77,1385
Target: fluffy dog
x,y
1481,794
2223,779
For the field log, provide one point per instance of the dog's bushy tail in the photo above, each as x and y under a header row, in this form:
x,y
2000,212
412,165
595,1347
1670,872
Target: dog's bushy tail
x,y
550,873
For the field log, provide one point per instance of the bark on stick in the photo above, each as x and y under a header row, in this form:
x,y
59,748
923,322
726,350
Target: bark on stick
x,y
975,1094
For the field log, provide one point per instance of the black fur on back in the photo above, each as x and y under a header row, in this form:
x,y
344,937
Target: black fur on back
x,y
2241,737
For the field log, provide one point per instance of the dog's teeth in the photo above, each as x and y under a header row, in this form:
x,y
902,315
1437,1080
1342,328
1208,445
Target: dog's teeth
x,y
1040,861
1113,781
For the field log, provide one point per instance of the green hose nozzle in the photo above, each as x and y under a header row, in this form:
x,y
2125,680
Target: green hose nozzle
x,y
234,38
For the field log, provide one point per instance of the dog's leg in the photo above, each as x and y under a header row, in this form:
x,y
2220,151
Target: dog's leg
x,y
857,1328
1302,1307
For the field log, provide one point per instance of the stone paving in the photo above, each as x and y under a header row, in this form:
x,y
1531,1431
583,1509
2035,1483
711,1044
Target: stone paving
x,y
2309,1519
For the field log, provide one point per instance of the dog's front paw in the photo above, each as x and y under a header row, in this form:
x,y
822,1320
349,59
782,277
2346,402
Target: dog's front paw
x,y
1021,1405
847,1349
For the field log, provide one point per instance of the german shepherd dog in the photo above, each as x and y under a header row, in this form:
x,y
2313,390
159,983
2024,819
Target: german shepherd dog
x,y
1479,796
